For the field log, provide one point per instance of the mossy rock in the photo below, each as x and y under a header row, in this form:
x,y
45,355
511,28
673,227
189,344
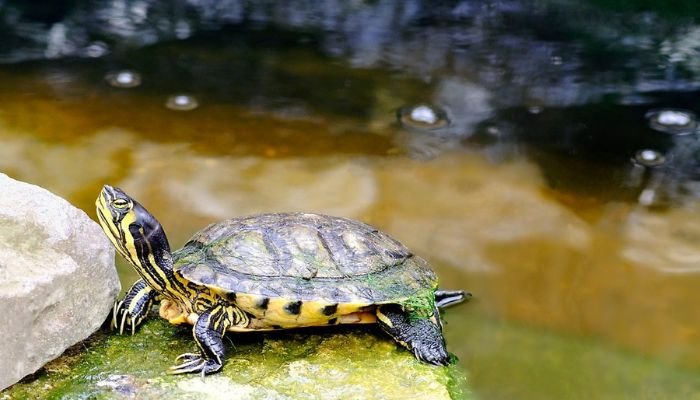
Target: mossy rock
x,y
345,363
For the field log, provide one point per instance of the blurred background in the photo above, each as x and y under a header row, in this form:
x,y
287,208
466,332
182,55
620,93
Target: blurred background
x,y
543,155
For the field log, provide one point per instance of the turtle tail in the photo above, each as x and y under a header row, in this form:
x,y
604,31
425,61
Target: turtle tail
x,y
446,298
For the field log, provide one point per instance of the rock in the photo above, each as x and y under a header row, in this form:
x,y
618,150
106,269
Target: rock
x,y
330,363
57,277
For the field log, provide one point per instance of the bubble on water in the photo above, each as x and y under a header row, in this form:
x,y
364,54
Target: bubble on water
x,y
183,30
424,114
493,131
649,158
181,102
124,79
672,121
674,118
534,109
556,60
96,49
423,117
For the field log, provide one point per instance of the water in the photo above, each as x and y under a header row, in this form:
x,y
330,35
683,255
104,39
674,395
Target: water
x,y
584,263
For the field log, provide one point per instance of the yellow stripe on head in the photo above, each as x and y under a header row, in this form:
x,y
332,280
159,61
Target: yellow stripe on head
x,y
138,237
115,213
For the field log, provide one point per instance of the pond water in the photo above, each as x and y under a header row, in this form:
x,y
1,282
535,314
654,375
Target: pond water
x,y
543,155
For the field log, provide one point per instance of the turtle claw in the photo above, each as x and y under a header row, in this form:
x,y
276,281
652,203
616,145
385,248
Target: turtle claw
x,y
121,326
128,313
195,363
186,357
123,320
115,311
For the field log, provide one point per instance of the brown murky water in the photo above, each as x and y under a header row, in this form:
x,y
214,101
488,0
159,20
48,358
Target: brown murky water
x,y
580,291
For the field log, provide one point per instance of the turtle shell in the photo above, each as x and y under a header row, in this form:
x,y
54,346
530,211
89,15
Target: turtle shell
x,y
305,257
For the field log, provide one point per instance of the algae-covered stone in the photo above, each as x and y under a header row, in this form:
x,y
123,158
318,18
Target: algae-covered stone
x,y
344,363
57,277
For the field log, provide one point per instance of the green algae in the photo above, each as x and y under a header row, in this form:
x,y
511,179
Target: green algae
x,y
349,362
420,306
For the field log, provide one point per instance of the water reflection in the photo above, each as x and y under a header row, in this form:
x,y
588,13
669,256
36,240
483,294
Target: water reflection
x,y
537,60
561,76
665,243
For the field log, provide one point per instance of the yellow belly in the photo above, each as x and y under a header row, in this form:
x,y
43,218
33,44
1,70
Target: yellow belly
x,y
265,325
275,317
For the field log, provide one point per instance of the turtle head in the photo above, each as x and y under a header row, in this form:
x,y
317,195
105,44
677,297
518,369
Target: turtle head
x,y
136,235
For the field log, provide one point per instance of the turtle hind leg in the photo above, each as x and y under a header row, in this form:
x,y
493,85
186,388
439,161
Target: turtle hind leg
x,y
446,298
208,332
422,336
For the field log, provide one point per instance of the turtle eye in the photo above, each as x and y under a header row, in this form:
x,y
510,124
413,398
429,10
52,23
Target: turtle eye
x,y
120,203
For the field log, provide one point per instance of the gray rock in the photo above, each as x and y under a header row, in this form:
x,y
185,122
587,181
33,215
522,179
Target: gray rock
x,y
57,277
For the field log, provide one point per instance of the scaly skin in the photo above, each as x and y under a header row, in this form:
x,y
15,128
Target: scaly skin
x,y
422,336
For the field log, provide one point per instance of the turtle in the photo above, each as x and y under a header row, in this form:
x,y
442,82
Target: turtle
x,y
273,271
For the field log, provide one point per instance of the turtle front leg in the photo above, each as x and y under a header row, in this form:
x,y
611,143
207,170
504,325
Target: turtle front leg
x,y
420,335
134,307
208,332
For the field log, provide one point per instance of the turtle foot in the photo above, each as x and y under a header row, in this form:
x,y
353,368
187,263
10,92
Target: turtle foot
x,y
123,320
195,363
432,353
133,309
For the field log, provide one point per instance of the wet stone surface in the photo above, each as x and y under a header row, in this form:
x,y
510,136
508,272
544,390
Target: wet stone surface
x,y
309,364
